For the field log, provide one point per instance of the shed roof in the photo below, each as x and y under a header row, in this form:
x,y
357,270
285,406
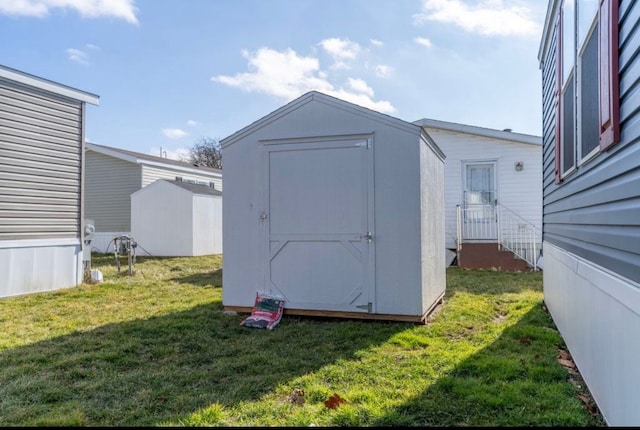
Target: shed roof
x,y
480,131
196,188
332,101
47,85
140,158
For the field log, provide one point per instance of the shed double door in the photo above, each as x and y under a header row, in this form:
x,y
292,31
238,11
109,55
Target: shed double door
x,y
317,224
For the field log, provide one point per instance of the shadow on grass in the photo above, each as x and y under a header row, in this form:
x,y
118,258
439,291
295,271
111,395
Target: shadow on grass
x,y
515,381
207,279
477,281
144,372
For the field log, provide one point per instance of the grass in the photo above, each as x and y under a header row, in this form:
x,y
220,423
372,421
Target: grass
x,y
156,349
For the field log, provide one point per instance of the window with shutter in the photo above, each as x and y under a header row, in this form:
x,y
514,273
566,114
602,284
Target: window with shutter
x,y
588,103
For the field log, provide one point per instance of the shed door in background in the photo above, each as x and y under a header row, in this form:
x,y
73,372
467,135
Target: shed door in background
x,y
316,222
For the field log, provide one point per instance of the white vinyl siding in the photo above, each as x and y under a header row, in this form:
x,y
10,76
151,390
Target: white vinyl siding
x,y
519,191
152,173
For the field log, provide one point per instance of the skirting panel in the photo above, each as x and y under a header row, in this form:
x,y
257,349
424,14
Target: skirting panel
x,y
598,315
25,270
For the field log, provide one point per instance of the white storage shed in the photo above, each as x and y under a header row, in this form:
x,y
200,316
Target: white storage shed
x,y
336,208
176,218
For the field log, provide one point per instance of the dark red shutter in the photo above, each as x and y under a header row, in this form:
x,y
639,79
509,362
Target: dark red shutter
x,y
609,84
558,93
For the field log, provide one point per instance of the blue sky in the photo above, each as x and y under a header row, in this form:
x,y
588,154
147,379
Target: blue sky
x,y
169,72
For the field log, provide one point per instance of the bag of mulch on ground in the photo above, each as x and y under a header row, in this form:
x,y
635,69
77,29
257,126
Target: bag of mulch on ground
x,y
267,313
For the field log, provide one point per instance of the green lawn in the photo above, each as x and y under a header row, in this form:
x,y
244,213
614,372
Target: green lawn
x,y
156,349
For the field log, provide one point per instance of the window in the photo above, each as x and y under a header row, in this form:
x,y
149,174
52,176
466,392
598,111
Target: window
x,y
588,102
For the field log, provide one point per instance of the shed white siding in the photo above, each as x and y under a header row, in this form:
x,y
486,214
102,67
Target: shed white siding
x,y
519,191
113,174
407,271
167,220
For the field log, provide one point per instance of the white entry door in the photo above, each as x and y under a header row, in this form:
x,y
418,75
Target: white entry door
x,y
480,198
317,224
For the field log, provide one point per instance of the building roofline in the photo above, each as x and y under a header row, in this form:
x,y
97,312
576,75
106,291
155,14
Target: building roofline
x,y
47,85
546,30
151,160
324,98
480,131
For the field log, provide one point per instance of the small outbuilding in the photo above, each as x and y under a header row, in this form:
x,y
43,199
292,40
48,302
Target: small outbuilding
x,y
113,174
336,208
176,218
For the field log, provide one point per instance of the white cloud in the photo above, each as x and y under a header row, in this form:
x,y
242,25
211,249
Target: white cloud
x,y
192,123
78,56
423,41
376,42
174,133
122,9
287,75
360,86
92,46
383,71
282,74
341,51
487,17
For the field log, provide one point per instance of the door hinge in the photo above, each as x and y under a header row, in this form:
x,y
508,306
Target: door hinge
x,y
368,307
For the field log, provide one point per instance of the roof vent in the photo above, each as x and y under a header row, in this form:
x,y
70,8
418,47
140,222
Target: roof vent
x,y
507,130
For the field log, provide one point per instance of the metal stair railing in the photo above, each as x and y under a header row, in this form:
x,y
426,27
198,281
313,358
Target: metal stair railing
x,y
519,236
511,231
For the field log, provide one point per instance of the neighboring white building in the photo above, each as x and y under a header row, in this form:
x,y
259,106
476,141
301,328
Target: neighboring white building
x,y
176,218
113,174
336,208
41,184
494,177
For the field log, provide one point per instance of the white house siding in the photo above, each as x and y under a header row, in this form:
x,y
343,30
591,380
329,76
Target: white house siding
x,y
153,173
519,191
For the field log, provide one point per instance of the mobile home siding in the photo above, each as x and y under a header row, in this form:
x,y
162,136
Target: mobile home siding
x,y
152,173
108,189
595,213
549,106
40,159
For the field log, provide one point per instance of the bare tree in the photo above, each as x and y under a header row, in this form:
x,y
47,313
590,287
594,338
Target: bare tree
x,y
206,152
